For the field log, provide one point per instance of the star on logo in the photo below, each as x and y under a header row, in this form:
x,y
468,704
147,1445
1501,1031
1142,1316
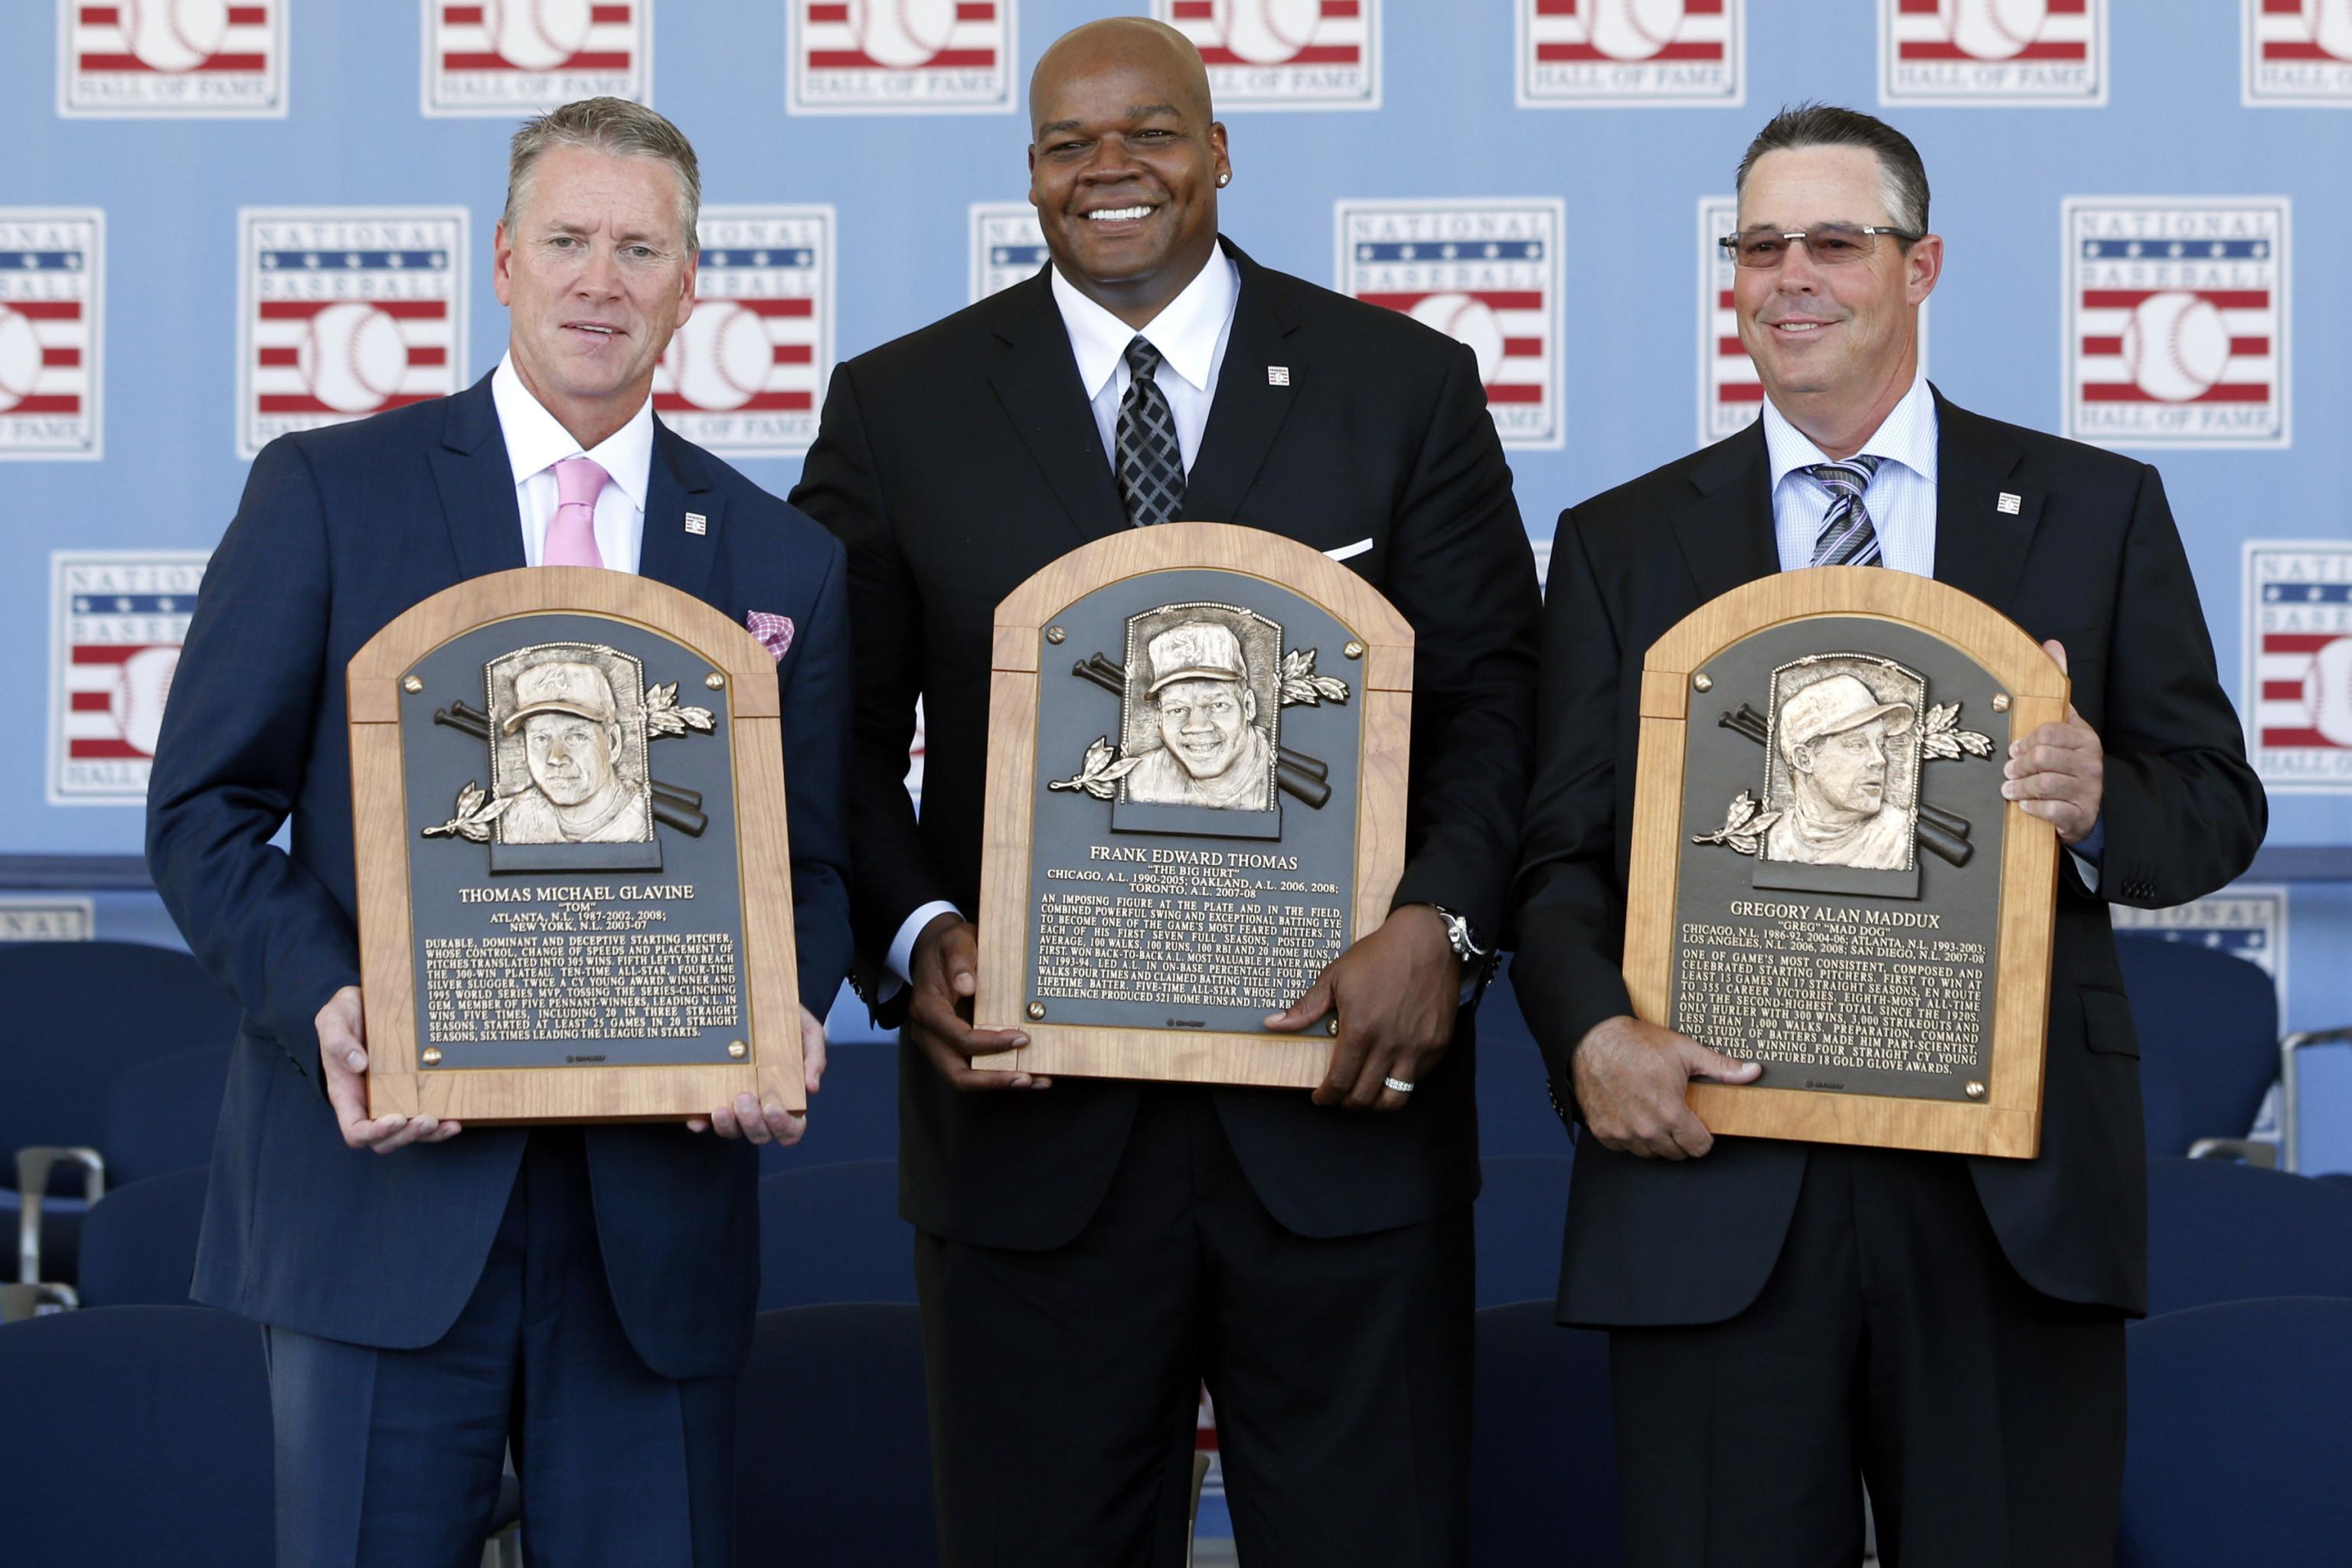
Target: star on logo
x,y
2133,248
1408,252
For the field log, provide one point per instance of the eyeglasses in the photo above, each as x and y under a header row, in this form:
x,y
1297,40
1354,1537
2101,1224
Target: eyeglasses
x,y
1828,244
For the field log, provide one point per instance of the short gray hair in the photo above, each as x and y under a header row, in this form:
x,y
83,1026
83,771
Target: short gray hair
x,y
617,129
1900,172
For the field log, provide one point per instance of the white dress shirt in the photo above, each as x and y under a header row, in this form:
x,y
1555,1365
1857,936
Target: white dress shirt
x,y
536,442
1901,499
1191,333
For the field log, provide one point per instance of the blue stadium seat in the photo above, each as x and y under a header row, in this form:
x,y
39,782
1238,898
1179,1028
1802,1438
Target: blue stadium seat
x,y
1522,1207
1543,1455
2240,1418
138,1435
79,1013
2224,1232
139,1242
832,1454
1515,1113
2208,1038
831,1233
855,1114
161,1115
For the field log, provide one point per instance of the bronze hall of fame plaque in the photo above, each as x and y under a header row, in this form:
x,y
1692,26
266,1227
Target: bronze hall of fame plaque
x,y
1197,750
575,894
1825,876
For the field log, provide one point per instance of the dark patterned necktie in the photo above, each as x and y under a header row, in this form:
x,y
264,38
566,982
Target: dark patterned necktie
x,y
1151,463
1846,538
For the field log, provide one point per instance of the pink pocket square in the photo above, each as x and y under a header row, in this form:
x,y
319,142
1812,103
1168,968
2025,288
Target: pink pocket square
x,y
774,632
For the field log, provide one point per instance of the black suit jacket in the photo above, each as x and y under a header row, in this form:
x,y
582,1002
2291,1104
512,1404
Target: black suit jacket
x,y
2091,558
960,461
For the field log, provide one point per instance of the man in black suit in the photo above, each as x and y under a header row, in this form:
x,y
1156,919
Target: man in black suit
x,y
1785,1317
1088,1252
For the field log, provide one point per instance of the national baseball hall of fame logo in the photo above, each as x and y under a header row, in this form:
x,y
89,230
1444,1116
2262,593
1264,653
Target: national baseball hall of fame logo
x,y
1992,51
743,374
506,57
1483,270
1007,246
2247,920
2298,54
1656,52
137,58
51,290
900,57
2297,695
2177,320
116,621
343,312
1283,54
1730,393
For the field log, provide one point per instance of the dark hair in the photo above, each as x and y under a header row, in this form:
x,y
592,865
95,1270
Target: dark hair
x,y
1900,171
617,129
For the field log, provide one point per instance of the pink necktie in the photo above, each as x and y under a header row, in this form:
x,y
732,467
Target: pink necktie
x,y
572,533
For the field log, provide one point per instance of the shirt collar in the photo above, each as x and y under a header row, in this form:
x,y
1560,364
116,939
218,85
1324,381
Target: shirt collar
x,y
536,440
1907,436
1185,331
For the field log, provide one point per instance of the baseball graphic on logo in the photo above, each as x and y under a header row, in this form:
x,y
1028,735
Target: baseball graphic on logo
x,y
175,35
2330,24
20,358
719,359
352,357
536,35
902,33
1466,320
1634,29
2328,691
137,703
2175,346
1993,29
1268,32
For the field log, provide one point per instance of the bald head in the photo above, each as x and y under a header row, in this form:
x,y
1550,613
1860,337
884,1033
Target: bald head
x,y
1121,43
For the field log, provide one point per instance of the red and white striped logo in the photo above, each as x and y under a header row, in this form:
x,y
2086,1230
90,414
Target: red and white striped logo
x,y
505,56
52,289
746,372
1283,54
134,59
1485,272
2177,322
1992,51
901,56
344,312
1574,52
2298,53
1730,393
116,622
2298,692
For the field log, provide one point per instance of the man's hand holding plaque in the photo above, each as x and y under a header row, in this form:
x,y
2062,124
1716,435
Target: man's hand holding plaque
x,y
946,966
1395,994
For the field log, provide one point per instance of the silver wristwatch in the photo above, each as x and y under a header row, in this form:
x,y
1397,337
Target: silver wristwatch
x,y
1462,939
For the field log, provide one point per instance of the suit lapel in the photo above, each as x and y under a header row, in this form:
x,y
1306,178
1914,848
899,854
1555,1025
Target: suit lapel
x,y
677,484
1979,547
477,484
1249,408
1726,537
1036,379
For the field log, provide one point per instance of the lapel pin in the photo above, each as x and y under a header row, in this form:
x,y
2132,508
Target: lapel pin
x,y
2009,503
695,522
1277,375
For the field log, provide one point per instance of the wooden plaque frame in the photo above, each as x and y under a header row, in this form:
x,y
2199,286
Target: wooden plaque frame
x,y
2008,1120
1297,1061
396,1083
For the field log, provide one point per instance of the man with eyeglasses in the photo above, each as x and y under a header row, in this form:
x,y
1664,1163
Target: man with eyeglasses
x,y
1789,1321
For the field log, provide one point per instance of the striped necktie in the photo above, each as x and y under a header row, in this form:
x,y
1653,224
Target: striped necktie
x,y
1846,538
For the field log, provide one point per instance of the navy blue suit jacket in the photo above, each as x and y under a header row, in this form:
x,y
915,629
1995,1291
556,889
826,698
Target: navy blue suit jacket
x,y
340,531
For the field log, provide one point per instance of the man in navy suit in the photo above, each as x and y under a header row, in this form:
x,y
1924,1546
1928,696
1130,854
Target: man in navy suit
x,y
585,1295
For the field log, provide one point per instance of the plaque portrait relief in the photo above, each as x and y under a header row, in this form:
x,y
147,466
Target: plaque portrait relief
x,y
1194,717
566,723
1843,764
